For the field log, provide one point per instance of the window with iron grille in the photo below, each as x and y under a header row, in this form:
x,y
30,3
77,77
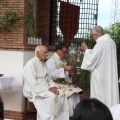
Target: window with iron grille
x,y
71,20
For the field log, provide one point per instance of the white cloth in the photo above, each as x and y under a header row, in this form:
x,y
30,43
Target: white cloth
x,y
56,68
57,71
36,84
115,111
8,82
102,63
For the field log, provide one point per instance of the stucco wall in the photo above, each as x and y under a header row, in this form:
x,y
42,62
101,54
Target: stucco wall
x,y
12,63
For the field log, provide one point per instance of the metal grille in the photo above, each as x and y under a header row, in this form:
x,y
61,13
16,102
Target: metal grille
x,y
87,19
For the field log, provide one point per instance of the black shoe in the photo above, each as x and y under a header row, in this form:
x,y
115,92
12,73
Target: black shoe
x,y
70,118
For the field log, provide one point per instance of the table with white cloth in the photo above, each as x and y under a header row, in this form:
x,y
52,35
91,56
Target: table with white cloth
x,y
11,93
8,82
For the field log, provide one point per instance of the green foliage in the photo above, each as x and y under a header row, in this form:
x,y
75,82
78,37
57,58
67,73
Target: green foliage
x,y
8,21
29,21
1,1
72,59
82,80
75,59
31,32
114,31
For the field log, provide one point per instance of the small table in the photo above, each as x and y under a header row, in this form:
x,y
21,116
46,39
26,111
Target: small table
x,y
8,82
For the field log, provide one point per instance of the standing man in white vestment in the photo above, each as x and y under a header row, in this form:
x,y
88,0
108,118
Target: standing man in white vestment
x,y
60,71
102,62
40,89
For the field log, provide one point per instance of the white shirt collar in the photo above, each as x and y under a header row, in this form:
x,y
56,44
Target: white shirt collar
x,y
105,37
57,55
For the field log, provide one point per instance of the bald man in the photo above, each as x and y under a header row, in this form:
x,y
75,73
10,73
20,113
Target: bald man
x,y
101,61
40,89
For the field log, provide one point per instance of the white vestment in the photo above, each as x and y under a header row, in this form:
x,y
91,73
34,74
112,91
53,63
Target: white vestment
x,y
102,62
55,65
36,84
115,111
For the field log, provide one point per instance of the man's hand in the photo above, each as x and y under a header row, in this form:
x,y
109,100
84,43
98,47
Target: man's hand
x,y
83,48
72,72
54,90
68,68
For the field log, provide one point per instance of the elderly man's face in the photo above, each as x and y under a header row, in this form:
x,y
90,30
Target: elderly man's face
x,y
43,53
94,35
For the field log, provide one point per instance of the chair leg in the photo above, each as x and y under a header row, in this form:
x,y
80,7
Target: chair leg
x,y
28,112
25,108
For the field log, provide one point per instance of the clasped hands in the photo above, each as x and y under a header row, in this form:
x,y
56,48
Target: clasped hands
x,y
83,48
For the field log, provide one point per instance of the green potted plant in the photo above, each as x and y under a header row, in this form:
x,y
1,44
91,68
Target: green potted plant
x,y
30,22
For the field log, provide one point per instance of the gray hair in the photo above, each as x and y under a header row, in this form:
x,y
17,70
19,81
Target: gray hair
x,y
38,48
99,30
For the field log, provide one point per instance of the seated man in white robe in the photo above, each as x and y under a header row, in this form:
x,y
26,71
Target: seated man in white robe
x,y
40,89
62,75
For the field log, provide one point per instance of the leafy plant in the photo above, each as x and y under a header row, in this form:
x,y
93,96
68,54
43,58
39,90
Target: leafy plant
x,y
9,20
1,1
75,59
30,22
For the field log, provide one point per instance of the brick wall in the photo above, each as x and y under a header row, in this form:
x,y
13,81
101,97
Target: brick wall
x,y
43,18
17,39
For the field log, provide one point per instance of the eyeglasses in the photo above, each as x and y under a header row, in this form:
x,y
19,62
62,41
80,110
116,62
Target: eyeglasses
x,y
64,52
92,35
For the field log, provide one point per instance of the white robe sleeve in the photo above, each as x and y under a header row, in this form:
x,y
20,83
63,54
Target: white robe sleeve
x,y
29,76
57,73
91,58
67,77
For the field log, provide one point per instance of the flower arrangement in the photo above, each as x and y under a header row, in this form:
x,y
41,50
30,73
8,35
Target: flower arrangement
x,y
74,57
82,77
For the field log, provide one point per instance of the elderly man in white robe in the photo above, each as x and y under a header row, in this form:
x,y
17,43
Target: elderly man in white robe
x,y
62,75
40,89
102,62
